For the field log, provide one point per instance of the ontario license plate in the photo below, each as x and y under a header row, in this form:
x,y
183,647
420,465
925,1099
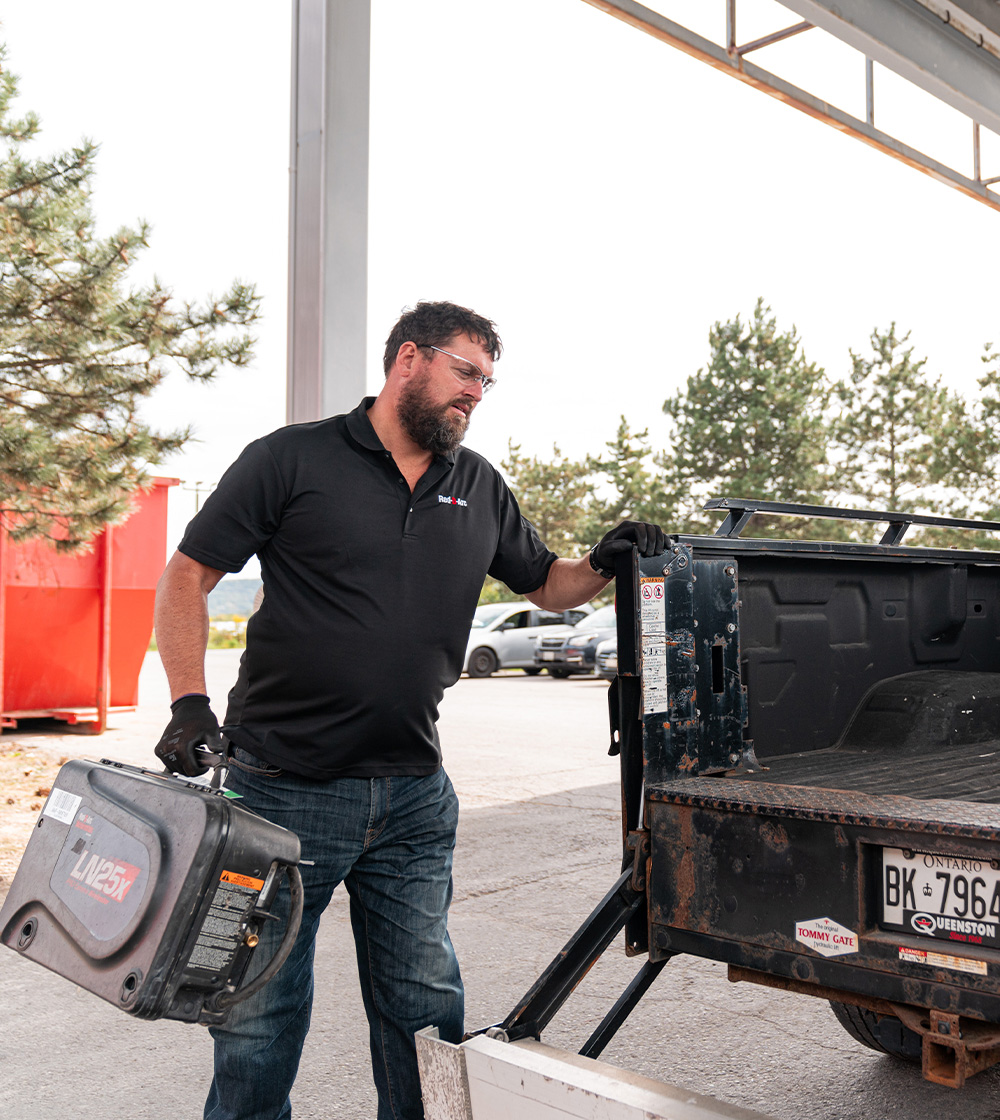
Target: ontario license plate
x,y
949,898
546,655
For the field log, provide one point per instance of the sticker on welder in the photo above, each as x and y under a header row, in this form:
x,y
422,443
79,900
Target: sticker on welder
x,y
653,647
62,805
224,927
827,937
248,881
941,960
101,874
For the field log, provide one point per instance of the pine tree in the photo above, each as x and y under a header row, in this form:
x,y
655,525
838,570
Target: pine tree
x,y
751,424
627,486
890,429
81,348
552,496
963,461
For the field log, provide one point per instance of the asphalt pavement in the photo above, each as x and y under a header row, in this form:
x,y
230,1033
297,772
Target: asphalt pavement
x,y
539,845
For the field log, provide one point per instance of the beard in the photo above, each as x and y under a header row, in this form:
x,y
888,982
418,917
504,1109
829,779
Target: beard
x,y
430,426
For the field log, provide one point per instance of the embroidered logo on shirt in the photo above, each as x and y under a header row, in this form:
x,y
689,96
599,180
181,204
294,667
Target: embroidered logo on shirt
x,y
450,501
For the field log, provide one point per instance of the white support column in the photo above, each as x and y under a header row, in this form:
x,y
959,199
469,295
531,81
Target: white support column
x,y
328,211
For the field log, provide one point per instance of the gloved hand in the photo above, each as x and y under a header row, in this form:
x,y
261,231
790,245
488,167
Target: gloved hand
x,y
192,724
649,539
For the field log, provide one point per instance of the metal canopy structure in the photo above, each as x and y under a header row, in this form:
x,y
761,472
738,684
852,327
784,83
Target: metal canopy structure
x,y
328,207
950,49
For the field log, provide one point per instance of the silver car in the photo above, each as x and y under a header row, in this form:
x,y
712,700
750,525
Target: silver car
x,y
503,635
606,659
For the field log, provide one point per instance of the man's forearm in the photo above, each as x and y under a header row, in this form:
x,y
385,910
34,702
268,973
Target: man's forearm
x,y
181,622
569,583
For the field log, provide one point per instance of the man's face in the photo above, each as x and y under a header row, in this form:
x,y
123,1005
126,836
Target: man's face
x,y
436,403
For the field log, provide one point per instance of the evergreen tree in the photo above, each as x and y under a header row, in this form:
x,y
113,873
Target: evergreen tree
x,y
751,424
552,496
964,461
627,486
81,348
896,429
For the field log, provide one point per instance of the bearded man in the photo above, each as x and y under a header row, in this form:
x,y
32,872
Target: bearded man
x,y
375,531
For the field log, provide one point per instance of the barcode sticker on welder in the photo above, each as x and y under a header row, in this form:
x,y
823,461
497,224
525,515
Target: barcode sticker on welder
x,y
62,805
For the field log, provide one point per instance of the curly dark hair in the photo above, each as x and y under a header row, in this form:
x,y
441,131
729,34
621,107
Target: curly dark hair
x,y
435,324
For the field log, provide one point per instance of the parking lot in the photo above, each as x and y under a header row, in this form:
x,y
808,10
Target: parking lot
x,y
539,844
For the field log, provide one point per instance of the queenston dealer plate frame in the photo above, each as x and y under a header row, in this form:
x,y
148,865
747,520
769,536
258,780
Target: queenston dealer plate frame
x,y
941,897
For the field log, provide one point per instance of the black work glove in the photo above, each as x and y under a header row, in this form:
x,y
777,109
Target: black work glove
x,y
193,724
649,539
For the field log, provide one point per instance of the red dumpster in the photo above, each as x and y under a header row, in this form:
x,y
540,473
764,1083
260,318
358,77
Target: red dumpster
x,y
74,629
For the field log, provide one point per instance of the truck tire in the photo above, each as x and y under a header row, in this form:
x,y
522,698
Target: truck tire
x,y
883,1033
559,674
532,671
482,662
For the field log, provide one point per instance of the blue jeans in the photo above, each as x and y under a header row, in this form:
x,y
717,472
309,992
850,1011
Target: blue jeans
x,y
390,841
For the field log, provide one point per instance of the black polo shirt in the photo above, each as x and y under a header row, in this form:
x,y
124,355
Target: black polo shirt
x,y
369,591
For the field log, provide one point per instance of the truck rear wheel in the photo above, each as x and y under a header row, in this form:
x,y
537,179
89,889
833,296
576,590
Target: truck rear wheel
x,y
884,1033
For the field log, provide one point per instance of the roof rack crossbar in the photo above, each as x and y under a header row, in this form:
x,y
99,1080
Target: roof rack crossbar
x,y
739,511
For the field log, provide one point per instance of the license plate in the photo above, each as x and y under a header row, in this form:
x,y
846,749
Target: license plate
x,y
546,655
949,898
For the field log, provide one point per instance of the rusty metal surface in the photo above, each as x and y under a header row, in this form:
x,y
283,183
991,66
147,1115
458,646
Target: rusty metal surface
x,y
737,866
960,772
954,1049
879,811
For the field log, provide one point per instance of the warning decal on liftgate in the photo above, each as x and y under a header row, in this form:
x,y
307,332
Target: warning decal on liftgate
x,y
224,927
941,960
827,937
101,874
653,632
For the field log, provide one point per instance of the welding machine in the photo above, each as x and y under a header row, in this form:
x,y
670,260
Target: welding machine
x,y
150,891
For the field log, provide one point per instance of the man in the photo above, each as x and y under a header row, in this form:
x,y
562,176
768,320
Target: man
x,y
375,532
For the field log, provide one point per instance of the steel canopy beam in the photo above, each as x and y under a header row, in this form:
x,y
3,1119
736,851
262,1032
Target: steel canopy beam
x,y
918,44
676,35
328,208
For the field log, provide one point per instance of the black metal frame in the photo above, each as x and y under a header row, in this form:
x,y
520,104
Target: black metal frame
x,y
739,512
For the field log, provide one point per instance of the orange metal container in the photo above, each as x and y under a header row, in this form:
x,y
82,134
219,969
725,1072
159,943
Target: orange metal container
x,y
74,629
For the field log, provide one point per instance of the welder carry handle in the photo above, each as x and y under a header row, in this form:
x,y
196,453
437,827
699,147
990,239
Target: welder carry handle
x,y
225,1000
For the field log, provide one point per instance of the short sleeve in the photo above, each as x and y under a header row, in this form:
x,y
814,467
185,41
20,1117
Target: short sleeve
x,y
521,560
241,515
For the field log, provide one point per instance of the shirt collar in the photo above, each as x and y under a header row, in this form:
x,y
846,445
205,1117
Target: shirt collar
x,y
362,432
361,428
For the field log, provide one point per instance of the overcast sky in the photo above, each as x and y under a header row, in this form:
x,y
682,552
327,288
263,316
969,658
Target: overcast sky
x,y
600,195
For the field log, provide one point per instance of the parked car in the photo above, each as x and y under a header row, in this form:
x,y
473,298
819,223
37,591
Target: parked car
x,y
606,659
503,635
574,652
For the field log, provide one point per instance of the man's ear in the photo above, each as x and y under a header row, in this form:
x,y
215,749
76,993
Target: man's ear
x,y
406,358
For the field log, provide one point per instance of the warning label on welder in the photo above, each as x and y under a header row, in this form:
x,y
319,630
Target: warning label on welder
x,y
224,926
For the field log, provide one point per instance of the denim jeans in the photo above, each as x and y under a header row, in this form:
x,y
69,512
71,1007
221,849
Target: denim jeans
x,y
390,841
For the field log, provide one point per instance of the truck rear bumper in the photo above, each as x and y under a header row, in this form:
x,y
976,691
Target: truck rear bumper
x,y
794,883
